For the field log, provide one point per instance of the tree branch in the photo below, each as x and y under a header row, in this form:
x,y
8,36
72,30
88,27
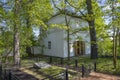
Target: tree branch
x,y
68,13
72,14
75,8
55,5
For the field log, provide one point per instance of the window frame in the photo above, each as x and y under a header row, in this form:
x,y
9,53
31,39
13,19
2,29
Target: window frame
x,y
49,44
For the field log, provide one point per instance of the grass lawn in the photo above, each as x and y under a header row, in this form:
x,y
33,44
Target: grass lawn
x,y
27,66
104,65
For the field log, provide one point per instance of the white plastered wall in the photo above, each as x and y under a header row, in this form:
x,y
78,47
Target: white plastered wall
x,y
76,23
58,37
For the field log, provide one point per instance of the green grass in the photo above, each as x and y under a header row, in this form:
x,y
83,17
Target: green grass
x,y
52,70
27,62
104,65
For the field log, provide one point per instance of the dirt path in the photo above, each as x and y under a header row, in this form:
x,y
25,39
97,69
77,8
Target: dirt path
x,y
101,76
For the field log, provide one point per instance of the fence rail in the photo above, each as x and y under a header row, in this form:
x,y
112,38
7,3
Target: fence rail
x,y
6,74
83,69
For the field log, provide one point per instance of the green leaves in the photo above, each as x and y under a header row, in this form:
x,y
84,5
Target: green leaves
x,y
2,13
32,13
38,12
60,26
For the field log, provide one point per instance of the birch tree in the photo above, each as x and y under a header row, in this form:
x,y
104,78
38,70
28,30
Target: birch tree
x,y
20,18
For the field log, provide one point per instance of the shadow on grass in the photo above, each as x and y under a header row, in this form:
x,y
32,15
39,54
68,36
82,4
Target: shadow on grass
x,y
48,73
23,75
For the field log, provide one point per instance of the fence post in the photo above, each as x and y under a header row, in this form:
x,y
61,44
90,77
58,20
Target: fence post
x,y
76,63
94,66
20,63
50,59
10,75
83,70
66,75
35,59
38,59
61,60
1,71
5,74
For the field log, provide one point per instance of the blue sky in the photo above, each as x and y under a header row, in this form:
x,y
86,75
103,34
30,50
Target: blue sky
x,y
36,30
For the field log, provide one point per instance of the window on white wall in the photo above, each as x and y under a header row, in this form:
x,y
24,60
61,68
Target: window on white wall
x,y
49,44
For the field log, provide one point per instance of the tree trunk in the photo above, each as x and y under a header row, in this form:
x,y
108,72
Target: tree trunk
x,y
68,35
94,46
116,46
68,43
16,46
114,51
6,56
119,39
16,34
114,37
